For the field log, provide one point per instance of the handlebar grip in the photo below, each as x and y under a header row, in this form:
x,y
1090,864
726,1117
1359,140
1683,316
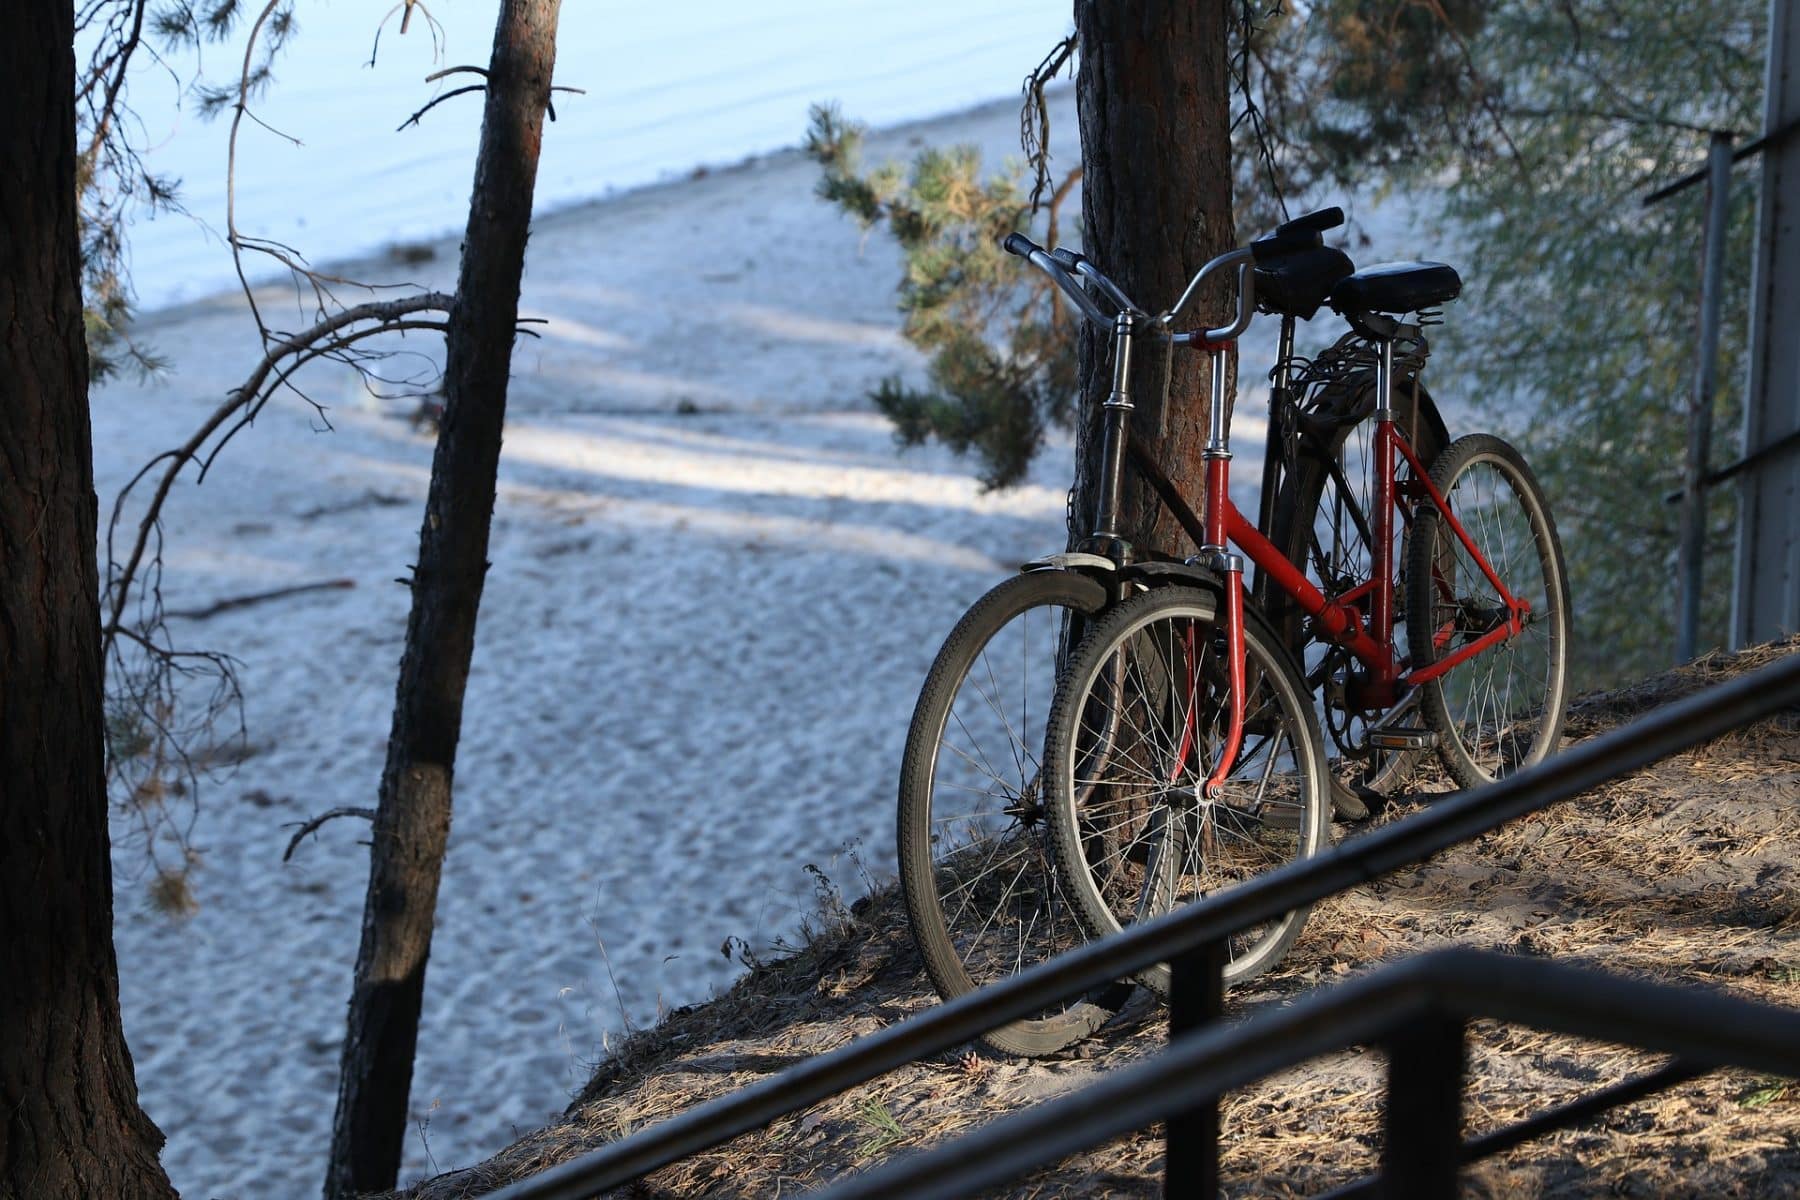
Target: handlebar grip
x,y
1325,218
1019,244
1302,233
1068,258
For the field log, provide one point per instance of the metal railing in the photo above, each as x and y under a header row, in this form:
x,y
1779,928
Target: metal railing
x,y
1417,1010
1192,939
1697,477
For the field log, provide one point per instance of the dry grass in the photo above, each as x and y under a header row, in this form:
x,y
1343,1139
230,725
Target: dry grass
x,y
1685,872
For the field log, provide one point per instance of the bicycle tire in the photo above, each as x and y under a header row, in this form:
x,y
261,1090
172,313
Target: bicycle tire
x,y
976,868
1503,708
1322,531
1130,846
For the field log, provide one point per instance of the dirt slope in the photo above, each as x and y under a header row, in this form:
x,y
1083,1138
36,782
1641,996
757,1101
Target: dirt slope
x,y
1683,872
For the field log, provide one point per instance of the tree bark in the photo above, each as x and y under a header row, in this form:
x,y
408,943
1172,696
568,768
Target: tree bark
x,y
412,823
70,1125
1153,94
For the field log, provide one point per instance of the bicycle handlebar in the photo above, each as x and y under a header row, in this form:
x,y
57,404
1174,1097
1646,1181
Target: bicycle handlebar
x,y
1243,260
1088,271
1037,256
1059,263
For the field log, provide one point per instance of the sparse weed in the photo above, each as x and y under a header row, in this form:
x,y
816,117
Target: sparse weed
x,y
829,915
885,1131
424,1124
1766,1092
740,952
827,918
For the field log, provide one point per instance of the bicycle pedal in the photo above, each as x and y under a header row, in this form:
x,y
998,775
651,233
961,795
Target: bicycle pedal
x,y
1402,737
1281,816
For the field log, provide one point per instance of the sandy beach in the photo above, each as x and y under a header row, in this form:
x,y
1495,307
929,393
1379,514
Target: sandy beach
x,y
716,588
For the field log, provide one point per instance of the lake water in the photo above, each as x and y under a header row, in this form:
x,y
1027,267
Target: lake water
x,y
667,88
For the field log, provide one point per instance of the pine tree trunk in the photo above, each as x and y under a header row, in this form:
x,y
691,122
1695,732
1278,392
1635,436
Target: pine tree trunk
x,y
412,824
1154,101
70,1125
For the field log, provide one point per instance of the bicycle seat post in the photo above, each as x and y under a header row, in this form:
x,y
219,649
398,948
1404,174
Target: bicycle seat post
x,y
1384,380
1381,604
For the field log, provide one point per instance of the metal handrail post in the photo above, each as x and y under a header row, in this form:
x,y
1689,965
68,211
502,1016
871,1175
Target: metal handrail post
x,y
1700,407
1423,1146
1196,1001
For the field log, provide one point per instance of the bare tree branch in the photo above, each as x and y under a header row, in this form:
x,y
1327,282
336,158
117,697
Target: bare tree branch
x,y
405,9
252,392
465,69
113,71
237,120
1484,93
166,704
226,605
312,826
550,109
333,349
437,100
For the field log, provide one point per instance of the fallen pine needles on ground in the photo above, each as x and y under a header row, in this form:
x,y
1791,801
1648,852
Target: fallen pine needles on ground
x,y
1684,872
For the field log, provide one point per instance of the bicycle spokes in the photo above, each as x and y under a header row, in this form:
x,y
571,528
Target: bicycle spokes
x,y
1489,610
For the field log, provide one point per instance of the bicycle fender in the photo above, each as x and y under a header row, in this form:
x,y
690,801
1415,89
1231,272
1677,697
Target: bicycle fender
x,y
1073,560
1096,590
1153,573
1361,385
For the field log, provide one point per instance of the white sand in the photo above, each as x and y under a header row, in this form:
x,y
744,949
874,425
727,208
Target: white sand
x,y
699,647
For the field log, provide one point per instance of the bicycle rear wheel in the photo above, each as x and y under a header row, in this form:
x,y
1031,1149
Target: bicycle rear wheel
x,y
1502,708
1138,724
976,866
1324,525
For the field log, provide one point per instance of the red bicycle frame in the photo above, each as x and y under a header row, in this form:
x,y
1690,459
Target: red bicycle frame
x,y
1340,620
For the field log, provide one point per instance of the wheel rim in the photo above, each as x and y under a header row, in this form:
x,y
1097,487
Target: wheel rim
x,y
1149,728
994,888
1500,702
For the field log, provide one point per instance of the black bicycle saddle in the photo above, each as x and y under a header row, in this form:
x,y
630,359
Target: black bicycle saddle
x,y
1397,287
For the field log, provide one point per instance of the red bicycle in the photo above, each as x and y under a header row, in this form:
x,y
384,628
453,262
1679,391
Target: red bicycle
x,y
1177,758
1105,733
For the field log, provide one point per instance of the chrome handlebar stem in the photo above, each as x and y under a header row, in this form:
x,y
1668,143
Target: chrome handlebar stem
x,y
1243,260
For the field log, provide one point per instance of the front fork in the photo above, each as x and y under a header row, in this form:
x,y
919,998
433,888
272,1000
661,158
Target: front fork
x,y
1231,569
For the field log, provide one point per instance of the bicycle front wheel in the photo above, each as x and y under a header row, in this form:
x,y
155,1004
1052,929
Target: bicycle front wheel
x,y
1137,727
976,866
1502,708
